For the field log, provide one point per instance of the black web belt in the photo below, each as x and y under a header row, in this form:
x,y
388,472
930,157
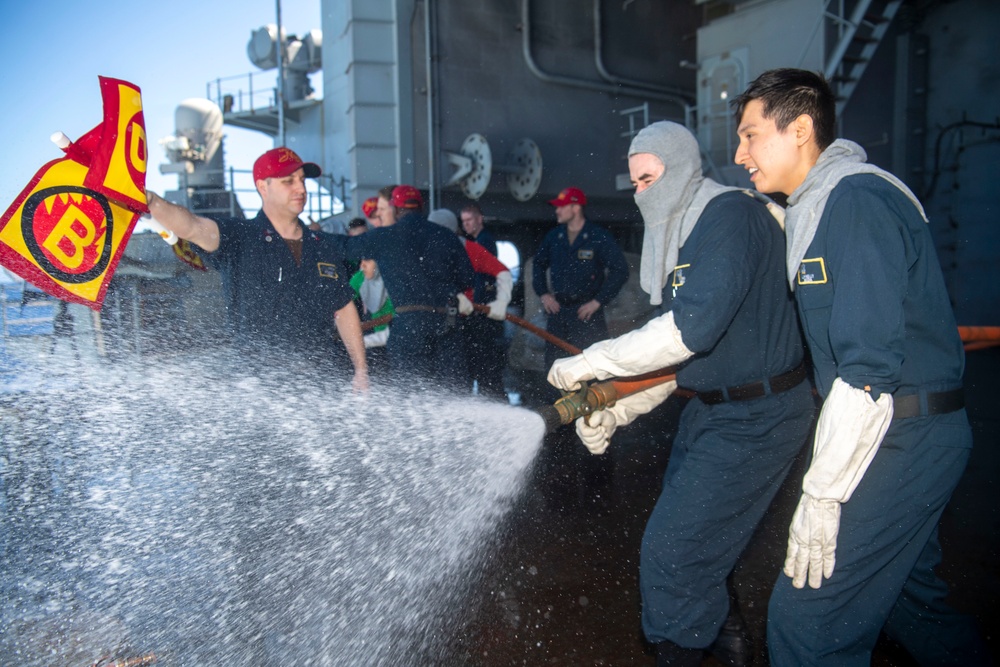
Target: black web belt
x,y
745,392
421,309
940,403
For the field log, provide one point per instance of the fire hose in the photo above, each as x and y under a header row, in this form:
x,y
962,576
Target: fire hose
x,y
592,397
979,338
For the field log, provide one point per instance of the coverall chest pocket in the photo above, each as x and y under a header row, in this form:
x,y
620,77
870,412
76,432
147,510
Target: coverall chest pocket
x,y
814,293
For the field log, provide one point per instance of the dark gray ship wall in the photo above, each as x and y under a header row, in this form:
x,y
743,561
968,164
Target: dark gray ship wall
x,y
564,73
512,70
928,109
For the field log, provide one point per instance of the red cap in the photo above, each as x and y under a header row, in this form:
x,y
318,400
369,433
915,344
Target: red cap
x,y
406,196
281,162
368,208
570,196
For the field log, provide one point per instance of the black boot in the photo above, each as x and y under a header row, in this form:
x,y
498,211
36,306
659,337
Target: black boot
x,y
732,647
669,654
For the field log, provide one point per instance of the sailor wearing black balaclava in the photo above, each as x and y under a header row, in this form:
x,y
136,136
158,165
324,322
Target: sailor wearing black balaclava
x,y
714,257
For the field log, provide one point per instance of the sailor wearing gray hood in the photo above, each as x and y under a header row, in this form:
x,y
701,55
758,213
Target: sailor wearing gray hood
x,y
713,257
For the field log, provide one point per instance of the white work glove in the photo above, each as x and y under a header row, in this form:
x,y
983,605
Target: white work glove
x,y
656,345
505,286
464,305
812,541
596,435
376,338
850,429
568,373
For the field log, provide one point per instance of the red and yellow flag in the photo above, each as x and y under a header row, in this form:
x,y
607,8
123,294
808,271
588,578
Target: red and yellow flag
x,y
67,230
118,169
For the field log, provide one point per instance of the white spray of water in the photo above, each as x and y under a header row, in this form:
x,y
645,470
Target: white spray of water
x,y
214,517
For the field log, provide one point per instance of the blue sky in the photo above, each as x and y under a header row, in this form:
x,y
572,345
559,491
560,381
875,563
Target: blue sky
x,y
53,51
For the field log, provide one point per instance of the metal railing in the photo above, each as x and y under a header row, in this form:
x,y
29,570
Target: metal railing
x,y
240,195
233,98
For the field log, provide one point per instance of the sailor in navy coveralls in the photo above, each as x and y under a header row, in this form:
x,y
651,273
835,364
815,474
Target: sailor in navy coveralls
x,y
586,269
428,274
716,255
272,295
892,438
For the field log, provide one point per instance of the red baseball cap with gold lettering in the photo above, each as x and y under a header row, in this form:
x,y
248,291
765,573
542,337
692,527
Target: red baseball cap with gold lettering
x,y
281,162
570,196
369,207
406,196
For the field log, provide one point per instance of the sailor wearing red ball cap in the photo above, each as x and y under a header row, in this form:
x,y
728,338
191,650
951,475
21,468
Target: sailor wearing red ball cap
x,y
370,210
284,280
586,269
428,273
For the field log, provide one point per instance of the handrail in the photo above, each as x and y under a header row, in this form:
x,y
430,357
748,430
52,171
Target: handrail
x,y
320,204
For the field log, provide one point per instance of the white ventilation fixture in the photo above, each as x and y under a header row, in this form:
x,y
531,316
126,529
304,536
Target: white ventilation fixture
x,y
474,167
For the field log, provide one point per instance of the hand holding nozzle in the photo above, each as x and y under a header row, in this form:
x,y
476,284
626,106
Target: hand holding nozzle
x,y
624,398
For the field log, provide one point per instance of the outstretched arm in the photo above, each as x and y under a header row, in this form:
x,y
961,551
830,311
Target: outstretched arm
x,y
201,231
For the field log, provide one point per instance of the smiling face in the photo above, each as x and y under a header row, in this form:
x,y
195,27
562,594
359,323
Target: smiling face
x,y
778,160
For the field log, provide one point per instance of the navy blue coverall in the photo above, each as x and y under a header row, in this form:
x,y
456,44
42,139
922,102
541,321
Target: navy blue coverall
x,y
875,312
423,266
577,274
731,302
270,298
485,347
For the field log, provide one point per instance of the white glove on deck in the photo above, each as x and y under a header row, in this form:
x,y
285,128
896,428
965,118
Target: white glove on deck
x,y
505,287
850,429
656,345
596,436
